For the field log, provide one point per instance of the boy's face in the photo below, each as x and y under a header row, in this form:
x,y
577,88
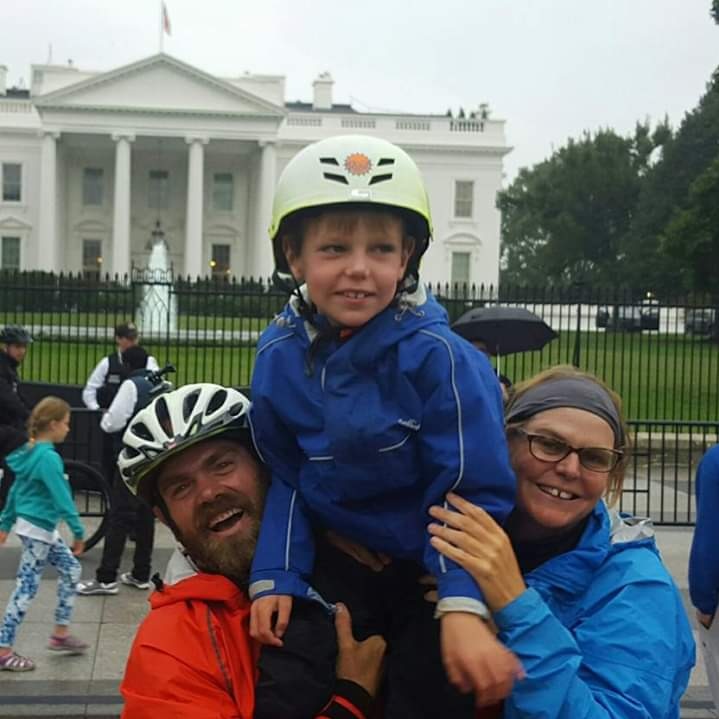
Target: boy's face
x,y
351,262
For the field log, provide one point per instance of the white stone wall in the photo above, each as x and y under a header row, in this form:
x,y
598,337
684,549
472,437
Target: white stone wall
x,y
243,128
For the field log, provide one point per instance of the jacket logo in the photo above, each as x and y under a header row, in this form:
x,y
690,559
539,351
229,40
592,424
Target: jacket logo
x,y
412,424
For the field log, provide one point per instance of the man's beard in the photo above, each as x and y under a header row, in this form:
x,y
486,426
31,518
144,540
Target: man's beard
x,y
229,556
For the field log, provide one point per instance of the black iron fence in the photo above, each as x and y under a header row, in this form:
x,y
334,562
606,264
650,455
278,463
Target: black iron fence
x,y
660,354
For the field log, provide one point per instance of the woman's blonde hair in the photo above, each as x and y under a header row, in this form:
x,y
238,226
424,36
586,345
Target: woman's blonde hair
x,y
47,410
616,476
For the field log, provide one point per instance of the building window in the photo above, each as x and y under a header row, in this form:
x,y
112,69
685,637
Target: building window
x,y
223,191
220,261
11,182
10,259
158,196
463,198
460,271
91,258
92,186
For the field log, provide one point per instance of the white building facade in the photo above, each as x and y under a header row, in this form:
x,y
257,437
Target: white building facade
x,y
91,162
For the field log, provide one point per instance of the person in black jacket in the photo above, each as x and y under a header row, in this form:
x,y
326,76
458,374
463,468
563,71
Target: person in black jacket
x,y
14,341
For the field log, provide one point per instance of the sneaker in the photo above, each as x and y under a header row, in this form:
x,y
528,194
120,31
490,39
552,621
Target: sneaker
x,y
68,644
128,579
92,586
12,662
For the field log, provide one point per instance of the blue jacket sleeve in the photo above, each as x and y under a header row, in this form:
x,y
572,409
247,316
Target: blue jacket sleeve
x,y
59,488
462,446
704,560
631,658
284,557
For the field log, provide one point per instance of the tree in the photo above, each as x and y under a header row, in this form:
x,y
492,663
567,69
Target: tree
x,y
715,11
692,236
664,192
566,219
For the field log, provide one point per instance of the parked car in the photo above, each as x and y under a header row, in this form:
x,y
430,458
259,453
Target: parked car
x,y
625,318
649,311
700,321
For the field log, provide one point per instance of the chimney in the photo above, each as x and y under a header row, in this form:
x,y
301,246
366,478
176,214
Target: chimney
x,y
322,92
3,80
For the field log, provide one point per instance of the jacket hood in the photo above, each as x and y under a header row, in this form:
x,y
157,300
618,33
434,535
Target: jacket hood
x,y
606,532
25,459
409,313
184,582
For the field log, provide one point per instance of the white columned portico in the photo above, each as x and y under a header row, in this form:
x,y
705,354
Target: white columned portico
x,y
121,206
47,250
195,192
264,261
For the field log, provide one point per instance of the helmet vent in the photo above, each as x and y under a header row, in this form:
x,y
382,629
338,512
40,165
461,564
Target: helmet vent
x,y
381,178
163,416
141,430
189,404
218,399
336,178
329,161
237,409
385,161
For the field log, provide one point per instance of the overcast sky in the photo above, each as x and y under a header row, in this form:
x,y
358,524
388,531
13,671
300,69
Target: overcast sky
x,y
550,68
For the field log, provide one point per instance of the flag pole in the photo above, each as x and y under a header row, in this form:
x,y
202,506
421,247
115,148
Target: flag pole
x,y
162,30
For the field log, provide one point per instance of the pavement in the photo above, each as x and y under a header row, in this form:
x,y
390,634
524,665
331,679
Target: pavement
x,y
87,685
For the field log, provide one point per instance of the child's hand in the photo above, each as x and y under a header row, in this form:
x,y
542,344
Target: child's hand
x,y
475,661
78,547
360,662
262,616
3,537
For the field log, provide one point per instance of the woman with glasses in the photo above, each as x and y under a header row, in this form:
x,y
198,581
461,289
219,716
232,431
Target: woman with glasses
x,y
577,592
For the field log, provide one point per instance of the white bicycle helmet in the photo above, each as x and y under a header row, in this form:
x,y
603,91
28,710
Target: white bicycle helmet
x,y
174,421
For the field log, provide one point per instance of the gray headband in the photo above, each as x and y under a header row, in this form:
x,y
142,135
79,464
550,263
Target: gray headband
x,y
575,392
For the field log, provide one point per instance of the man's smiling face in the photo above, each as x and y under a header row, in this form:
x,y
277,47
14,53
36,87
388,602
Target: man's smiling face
x,y
214,493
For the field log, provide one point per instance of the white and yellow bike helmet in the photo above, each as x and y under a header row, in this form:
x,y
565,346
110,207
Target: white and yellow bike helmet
x,y
175,421
351,170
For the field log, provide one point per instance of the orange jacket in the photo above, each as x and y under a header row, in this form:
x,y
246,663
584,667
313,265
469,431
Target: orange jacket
x,y
193,657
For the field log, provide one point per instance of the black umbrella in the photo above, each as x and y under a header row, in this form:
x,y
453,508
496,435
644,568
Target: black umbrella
x,y
505,330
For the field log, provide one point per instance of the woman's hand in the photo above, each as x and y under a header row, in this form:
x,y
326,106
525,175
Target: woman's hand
x,y
360,662
476,542
78,547
704,619
376,561
3,537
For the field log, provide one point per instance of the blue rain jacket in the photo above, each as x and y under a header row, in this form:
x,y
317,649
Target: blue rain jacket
x,y
601,631
386,423
703,560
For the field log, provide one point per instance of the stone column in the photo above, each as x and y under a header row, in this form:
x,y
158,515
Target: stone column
x,y
195,195
48,252
121,205
264,263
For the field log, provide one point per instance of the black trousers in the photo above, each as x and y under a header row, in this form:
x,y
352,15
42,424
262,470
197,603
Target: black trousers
x,y
390,603
128,514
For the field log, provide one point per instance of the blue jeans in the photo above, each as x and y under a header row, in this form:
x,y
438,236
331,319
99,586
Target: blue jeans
x,y
35,556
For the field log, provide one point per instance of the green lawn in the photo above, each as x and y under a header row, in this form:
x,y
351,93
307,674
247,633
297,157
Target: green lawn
x,y
659,376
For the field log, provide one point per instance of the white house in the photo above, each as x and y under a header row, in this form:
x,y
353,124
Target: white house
x,y
90,162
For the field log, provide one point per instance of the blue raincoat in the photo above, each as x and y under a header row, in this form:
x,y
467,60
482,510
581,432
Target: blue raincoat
x,y
365,436
601,631
703,560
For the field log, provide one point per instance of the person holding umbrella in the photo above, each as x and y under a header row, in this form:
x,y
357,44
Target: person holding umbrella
x,y
499,330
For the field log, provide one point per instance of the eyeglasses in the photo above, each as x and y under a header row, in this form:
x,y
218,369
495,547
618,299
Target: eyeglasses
x,y
551,449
